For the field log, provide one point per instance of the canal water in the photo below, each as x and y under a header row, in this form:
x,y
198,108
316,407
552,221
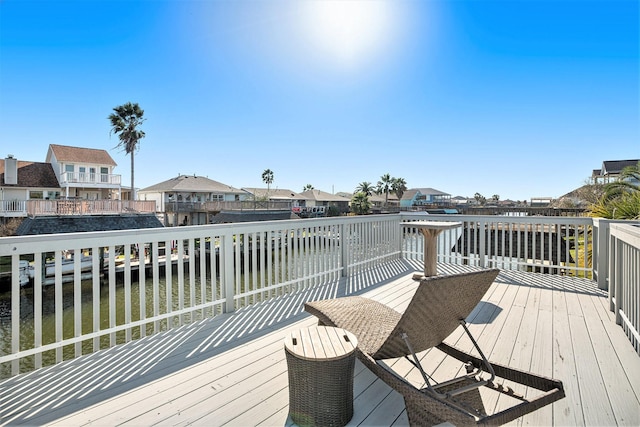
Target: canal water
x,y
155,301
152,302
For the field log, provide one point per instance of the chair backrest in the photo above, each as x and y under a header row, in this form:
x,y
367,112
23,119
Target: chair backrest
x,y
435,311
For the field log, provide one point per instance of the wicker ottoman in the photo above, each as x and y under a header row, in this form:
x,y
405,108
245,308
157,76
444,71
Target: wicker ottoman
x,y
320,361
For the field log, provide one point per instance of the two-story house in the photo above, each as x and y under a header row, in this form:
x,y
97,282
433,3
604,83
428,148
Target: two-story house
x,y
21,181
424,197
188,199
85,173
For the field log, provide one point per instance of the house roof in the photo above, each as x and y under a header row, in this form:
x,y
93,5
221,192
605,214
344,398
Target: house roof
x,y
409,194
85,223
431,191
65,153
345,194
321,196
33,175
191,184
274,194
616,166
381,197
252,216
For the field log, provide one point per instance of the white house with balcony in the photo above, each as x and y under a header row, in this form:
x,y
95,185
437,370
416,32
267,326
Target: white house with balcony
x,y
85,173
21,181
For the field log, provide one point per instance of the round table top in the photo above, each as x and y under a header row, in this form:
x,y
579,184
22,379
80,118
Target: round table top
x,y
320,343
434,225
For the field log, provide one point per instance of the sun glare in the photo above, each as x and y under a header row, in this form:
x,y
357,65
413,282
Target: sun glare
x,y
347,33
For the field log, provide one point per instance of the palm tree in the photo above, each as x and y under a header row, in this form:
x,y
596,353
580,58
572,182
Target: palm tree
x,y
621,199
366,188
384,186
360,203
124,123
267,178
399,186
480,199
307,188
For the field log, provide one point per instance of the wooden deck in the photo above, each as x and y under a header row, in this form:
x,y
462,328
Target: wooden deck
x,y
231,370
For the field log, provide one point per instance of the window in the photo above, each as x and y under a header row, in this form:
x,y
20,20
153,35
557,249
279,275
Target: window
x,y
217,197
104,174
69,173
36,195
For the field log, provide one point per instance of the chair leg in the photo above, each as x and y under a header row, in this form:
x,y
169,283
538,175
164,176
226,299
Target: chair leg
x,y
472,372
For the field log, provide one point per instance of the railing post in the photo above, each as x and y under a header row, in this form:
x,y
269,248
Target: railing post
x,y
227,273
615,289
400,238
344,256
15,311
482,243
600,252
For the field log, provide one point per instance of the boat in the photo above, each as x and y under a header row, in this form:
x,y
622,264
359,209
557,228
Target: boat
x,y
67,269
135,262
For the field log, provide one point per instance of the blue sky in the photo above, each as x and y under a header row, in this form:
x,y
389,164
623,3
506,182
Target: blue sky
x,y
514,97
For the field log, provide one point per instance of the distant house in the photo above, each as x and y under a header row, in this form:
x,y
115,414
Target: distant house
x,y
276,195
424,197
378,201
611,170
317,202
186,199
84,173
21,181
461,201
540,202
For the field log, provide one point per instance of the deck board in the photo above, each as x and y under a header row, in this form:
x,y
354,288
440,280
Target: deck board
x,y
617,382
569,410
541,358
231,370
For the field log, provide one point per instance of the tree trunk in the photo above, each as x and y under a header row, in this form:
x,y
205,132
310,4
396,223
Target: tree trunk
x,y
133,188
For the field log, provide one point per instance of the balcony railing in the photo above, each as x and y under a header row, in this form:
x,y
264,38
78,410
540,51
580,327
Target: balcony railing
x,y
88,207
126,284
13,208
91,179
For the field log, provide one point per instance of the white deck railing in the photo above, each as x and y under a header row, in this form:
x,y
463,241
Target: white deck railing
x,y
88,207
538,244
13,208
105,294
624,279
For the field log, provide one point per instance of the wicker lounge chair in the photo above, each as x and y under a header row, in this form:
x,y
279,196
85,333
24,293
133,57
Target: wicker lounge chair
x,y
439,305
